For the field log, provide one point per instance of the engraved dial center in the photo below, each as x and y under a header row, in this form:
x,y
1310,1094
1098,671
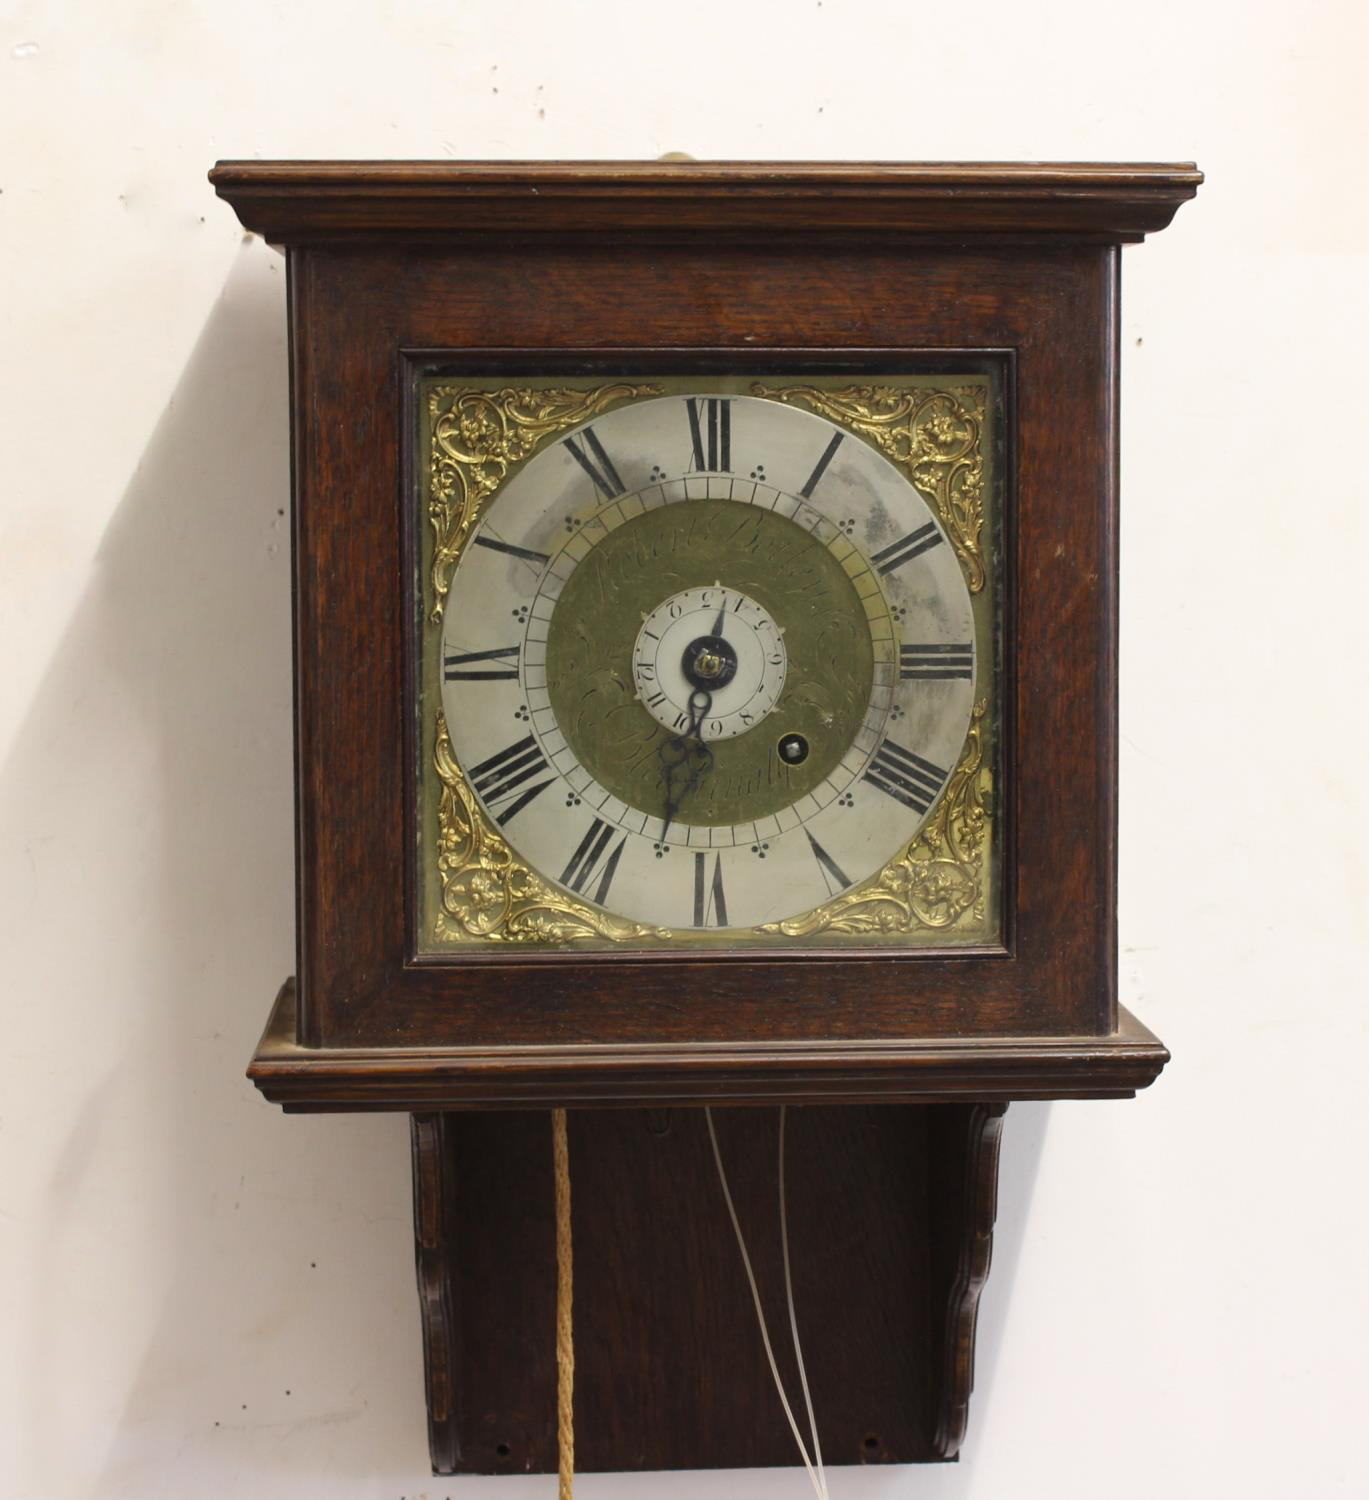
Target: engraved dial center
x,y
716,639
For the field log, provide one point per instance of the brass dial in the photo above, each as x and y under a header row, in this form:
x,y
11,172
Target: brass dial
x,y
742,669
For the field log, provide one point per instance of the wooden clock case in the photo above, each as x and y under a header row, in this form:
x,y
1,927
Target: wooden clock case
x,y
522,268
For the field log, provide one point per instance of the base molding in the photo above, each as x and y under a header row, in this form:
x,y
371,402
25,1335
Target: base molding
x,y
969,1069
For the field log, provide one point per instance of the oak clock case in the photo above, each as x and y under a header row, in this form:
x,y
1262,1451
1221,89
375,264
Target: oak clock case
x,y
705,630
707,660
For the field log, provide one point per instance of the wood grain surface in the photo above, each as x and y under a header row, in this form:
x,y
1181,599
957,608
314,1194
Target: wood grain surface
x,y
341,1079
394,264
294,202
891,1217
1055,309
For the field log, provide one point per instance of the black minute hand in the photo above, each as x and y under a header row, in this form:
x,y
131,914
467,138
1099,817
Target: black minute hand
x,y
685,758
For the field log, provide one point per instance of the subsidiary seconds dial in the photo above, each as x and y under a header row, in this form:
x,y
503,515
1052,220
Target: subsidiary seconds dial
x,y
708,661
712,640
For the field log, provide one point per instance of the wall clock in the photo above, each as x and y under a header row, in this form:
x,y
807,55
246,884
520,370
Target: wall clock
x,y
705,617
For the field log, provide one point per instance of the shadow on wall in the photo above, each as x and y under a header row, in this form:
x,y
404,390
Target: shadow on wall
x,y
251,1277
245,1282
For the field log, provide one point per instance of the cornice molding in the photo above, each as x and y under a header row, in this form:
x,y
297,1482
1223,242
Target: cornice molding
x,y
294,202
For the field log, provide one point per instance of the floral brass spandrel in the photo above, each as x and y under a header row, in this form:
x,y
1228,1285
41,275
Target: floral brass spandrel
x,y
937,879
933,434
476,437
488,893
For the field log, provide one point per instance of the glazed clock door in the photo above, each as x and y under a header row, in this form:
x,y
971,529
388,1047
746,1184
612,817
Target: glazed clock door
x,y
703,666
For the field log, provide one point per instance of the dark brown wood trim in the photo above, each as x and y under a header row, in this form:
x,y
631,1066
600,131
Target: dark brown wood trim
x,y
668,1357
973,1159
294,201
980,1068
1110,525
300,376
358,986
626,363
433,1207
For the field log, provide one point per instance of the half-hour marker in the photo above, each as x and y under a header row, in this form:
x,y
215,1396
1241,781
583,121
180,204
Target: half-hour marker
x,y
906,548
834,877
821,467
710,909
905,777
935,663
589,861
596,463
710,433
499,777
539,559
480,666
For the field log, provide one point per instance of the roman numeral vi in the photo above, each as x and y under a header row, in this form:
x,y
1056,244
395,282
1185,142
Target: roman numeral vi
x,y
710,908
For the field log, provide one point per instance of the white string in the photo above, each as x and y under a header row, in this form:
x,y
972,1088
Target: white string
x,y
819,1487
794,1322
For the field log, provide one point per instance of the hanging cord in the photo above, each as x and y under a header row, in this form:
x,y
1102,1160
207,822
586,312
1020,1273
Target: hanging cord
x,y
565,1343
793,1319
817,1478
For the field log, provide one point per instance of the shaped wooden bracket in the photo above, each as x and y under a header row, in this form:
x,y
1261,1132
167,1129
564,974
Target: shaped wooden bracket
x,y
891,1213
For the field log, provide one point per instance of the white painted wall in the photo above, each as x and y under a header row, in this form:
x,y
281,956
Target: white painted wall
x,y
204,1297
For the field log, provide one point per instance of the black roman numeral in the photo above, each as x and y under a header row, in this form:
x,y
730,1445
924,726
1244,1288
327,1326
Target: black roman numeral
x,y
935,663
906,548
710,908
834,877
596,463
710,432
499,777
585,863
906,777
821,468
467,666
539,559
